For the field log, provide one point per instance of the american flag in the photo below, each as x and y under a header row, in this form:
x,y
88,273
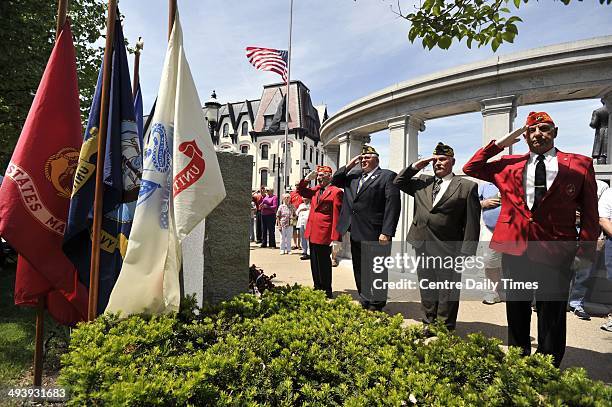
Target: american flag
x,y
268,59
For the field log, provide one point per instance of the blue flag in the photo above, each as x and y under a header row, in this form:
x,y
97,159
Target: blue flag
x,y
122,174
138,111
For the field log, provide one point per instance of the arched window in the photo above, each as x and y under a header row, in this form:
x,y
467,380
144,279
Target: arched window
x,y
264,152
225,130
304,151
245,129
244,149
264,177
311,151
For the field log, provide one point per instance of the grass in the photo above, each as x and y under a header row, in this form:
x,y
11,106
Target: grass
x,y
17,331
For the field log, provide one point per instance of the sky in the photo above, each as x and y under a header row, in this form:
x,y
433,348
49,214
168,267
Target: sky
x,y
343,50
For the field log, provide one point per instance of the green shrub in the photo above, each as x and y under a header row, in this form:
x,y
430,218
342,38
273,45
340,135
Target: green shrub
x,y
293,347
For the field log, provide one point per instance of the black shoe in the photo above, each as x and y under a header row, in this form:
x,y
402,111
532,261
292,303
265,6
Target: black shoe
x,y
582,314
263,246
365,304
304,257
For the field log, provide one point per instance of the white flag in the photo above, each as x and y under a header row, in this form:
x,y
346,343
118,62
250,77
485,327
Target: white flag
x,y
181,184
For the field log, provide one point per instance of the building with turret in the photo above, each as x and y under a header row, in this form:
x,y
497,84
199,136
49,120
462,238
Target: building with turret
x,y
257,128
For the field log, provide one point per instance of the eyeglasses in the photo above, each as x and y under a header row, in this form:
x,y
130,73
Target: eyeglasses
x,y
544,128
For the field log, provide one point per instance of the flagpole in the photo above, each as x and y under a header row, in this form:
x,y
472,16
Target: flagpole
x,y
62,9
171,15
137,51
286,154
94,274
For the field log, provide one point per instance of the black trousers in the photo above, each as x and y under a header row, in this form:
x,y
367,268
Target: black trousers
x,y
258,226
320,266
551,296
268,233
371,283
438,304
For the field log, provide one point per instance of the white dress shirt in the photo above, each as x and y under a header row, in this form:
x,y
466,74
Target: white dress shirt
x,y
443,186
552,168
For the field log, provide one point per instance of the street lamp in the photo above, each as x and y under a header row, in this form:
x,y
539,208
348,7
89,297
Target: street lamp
x,y
212,116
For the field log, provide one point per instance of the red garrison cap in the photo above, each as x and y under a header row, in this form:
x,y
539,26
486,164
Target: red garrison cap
x,y
324,168
538,117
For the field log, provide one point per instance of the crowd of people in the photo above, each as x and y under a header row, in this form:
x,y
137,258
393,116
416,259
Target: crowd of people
x,y
548,221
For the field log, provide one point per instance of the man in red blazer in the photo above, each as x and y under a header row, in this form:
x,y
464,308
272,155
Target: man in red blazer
x,y
326,201
540,194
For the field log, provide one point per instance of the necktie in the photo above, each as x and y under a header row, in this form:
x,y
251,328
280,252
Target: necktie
x,y
436,189
361,181
540,182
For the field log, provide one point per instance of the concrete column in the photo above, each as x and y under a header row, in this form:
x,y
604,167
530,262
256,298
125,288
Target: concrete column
x,y
403,150
498,116
332,156
350,145
607,101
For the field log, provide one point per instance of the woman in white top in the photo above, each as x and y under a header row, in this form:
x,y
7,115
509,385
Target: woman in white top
x,y
284,215
302,213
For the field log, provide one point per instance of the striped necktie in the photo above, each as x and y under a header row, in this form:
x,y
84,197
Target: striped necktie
x,y
436,189
361,181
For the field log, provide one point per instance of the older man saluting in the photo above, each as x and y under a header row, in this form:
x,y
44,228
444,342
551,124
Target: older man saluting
x,y
535,231
326,201
446,223
370,210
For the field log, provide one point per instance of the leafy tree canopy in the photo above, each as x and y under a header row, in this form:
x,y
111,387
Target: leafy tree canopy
x,y
27,34
480,22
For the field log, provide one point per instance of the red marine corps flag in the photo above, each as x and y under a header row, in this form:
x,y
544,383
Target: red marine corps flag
x,y
35,193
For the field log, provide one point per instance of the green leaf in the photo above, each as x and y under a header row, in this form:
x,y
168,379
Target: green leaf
x,y
445,42
495,44
508,37
517,3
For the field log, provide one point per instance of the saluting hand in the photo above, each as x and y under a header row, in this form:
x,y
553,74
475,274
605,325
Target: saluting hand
x,y
419,165
511,138
356,160
312,175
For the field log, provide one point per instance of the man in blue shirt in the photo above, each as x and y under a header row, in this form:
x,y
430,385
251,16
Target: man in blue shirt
x,y
490,202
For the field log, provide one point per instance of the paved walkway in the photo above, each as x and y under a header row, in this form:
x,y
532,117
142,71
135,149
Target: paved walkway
x,y
587,345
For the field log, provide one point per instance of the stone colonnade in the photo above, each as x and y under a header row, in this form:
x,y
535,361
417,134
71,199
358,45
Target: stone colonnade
x,y
498,116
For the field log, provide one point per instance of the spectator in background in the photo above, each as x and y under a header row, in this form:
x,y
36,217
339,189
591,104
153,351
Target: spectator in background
x,y
490,202
252,220
257,198
268,207
302,220
583,276
284,215
296,200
